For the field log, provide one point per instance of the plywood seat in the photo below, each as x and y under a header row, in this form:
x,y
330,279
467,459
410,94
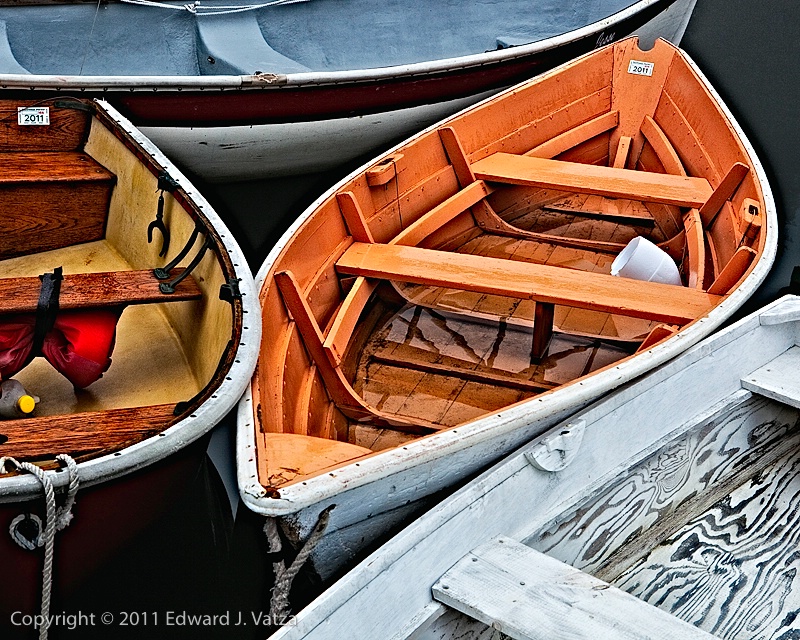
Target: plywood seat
x,y
94,290
683,191
543,283
51,199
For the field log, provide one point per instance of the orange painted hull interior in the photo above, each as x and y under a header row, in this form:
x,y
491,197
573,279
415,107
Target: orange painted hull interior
x,y
469,269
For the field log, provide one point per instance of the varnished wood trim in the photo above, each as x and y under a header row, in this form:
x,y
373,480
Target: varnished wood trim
x,y
83,434
609,216
354,217
663,147
696,248
442,213
474,375
623,149
543,313
93,290
657,334
346,319
339,389
724,191
733,271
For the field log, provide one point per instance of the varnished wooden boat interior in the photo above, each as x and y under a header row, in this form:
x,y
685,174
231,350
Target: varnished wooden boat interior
x,y
80,193
468,270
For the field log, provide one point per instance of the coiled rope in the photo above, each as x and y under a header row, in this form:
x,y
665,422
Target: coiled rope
x,y
56,519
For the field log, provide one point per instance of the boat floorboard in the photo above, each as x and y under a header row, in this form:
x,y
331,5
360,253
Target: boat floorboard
x,y
420,333
733,570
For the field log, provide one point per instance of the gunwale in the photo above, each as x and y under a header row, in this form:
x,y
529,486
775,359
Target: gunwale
x,y
309,490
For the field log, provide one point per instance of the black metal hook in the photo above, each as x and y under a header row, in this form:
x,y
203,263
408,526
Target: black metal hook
x,y
158,223
165,183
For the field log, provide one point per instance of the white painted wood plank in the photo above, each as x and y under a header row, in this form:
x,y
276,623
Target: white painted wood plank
x,y
530,596
787,311
779,379
623,516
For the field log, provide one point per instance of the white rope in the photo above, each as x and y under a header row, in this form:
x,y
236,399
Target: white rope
x,y
55,520
219,10
279,602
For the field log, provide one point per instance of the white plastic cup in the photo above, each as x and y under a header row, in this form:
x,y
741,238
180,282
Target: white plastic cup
x,y
642,260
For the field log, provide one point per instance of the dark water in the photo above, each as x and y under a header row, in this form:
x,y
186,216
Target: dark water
x,y
199,558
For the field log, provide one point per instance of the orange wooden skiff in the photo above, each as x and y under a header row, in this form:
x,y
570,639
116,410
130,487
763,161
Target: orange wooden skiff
x,y
453,298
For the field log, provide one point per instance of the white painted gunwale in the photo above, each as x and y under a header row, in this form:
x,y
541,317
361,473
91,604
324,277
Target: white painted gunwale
x,y
565,399
409,564
143,453
305,79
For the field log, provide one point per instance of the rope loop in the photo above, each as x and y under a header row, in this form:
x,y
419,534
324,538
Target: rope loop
x,y
55,520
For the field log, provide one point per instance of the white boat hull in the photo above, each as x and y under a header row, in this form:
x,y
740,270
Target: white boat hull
x,y
257,151
654,422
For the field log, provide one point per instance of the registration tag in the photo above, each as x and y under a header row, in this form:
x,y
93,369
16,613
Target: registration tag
x,y
33,115
638,68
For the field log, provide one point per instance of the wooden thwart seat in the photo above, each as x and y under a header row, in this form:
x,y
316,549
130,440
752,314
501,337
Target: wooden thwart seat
x,y
528,595
93,290
547,284
51,199
79,434
778,378
613,182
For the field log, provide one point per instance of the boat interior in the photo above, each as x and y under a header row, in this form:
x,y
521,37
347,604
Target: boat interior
x,y
282,37
80,199
705,524
702,524
470,269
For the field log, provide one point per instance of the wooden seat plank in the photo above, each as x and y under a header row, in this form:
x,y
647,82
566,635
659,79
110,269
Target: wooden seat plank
x,y
495,276
51,199
93,290
79,434
528,595
778,378
663,188
50,166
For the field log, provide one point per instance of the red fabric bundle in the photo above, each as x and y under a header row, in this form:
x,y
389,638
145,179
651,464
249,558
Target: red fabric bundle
x,y
79,345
